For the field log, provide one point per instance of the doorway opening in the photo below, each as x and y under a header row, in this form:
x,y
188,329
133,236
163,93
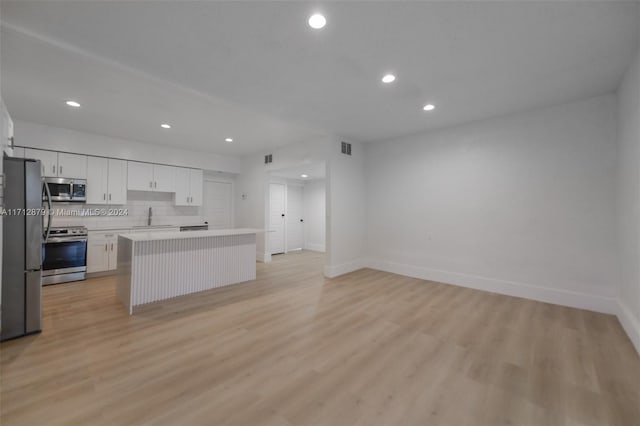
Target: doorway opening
x,y
297,210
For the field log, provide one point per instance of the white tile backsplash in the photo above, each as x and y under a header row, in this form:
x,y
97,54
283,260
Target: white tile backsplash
x,y
137,207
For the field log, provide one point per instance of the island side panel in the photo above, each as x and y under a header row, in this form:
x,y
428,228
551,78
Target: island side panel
x,y
123,290
164,269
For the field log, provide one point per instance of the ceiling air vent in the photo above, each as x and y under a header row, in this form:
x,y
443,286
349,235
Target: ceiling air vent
x,y
346,148
268,159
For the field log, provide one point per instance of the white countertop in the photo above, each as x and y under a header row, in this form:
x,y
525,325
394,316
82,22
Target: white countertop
x,y
153,236
137,227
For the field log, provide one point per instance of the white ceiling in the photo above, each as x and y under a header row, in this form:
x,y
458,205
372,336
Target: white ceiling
x,y
256,72
313,170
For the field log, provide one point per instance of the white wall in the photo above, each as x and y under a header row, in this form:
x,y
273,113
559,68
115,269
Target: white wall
x,y
346,210
520,205
629,200
59,139
251,203
314,211
252,185
344,197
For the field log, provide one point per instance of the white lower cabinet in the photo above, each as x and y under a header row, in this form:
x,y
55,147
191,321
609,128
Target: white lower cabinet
x,y
102,247
102,250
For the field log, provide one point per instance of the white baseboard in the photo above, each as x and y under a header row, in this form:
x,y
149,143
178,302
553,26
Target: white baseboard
x,y
263,257
314,247
569,298
630,324
332,271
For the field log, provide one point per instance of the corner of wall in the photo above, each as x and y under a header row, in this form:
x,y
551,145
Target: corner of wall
x,y
629,323
333,271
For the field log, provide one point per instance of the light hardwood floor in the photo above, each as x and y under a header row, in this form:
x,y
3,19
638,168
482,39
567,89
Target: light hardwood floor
x,y
293,348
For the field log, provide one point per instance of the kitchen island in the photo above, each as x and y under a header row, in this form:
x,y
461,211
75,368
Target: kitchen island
x,y
155,266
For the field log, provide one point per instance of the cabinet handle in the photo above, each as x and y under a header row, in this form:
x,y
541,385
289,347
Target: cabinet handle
x,y
111,246
54,169
106,246
155,184
60,169
109,197
150,184
104,197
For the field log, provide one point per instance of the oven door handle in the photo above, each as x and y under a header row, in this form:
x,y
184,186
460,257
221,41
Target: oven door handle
x,y
48,231
66,239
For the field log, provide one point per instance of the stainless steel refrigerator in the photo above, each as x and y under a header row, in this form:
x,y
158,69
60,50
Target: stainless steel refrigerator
x,y
22,248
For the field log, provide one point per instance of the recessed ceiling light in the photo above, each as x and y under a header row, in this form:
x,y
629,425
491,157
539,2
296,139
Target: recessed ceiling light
x,y
228,140
304,176
429,107
73,104
165,126
389,78
317,21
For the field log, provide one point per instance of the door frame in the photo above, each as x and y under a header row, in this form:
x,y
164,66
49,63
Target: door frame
x,y
284,222
286,183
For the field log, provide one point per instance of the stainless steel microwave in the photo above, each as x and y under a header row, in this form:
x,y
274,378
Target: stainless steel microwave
x,y
66,190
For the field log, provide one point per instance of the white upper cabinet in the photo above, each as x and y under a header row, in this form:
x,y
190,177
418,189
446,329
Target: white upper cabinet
x,y
188,187
151,177
139,176
117,182
164,178
97,180
106,181
196,178
56,164
183,187
49,160
72,166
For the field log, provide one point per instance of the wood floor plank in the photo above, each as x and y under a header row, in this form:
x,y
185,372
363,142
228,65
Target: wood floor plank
x,y
293,348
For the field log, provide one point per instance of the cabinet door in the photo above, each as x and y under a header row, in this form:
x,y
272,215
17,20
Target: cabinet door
x,y
195,181
164,178
97,254
113,253
183,191
72,166
97,175
49,160
117,182
139,176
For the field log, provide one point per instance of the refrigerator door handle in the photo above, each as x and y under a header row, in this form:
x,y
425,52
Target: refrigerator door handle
x,y
48,231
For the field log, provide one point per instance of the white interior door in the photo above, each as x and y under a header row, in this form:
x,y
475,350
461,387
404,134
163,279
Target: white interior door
x,y
294,218
276,217
218,201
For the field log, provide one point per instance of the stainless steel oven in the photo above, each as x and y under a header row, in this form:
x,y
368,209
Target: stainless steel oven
x,y
65,255
65,189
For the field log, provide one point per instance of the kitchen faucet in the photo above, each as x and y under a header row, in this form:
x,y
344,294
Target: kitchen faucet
x,y
150,215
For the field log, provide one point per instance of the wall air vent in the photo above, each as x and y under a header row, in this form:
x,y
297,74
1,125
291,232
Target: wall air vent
x,y
268,159
346,148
